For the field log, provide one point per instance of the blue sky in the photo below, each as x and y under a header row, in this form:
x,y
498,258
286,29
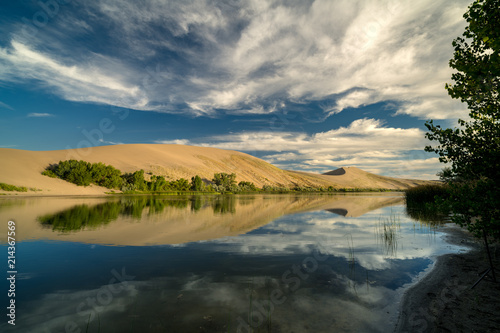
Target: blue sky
x,y
305,85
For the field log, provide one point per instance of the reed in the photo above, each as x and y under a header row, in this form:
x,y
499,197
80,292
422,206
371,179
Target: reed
x,y
426,203
423,194
387,230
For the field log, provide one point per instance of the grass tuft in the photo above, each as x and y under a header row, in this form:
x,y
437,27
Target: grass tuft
x,y
7,187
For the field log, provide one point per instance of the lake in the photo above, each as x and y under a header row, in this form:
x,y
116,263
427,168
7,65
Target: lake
x,y
239,263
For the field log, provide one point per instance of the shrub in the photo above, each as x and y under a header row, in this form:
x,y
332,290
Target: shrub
x,y
49,173
85,173
247,186
7,187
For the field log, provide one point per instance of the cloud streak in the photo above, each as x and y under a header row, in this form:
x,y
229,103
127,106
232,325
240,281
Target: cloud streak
x,y
39,115
6,106
75,82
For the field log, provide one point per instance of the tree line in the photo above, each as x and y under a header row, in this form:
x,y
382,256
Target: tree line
x,y
84,173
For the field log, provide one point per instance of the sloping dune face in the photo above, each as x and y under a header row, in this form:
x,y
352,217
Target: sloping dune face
x,y
24,168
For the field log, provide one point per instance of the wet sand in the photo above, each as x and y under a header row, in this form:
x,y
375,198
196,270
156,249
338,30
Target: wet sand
x,y
444,301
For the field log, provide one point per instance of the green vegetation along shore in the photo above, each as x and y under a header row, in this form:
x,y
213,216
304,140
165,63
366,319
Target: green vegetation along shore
x,y
83,173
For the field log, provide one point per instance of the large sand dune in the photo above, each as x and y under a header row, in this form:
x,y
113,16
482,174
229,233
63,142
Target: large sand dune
x,y
24,168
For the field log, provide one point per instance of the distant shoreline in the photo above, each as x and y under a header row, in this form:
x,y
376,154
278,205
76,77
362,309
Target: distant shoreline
x,y
13,195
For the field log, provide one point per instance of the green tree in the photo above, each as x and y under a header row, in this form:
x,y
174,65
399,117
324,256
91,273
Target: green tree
x,y
473,149
105,175
134,181
247,186
138,180
160,184
197,183
224,181
180,184
79,173
85,173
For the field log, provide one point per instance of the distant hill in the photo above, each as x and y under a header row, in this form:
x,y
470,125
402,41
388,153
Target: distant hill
x,y
24,168
355,177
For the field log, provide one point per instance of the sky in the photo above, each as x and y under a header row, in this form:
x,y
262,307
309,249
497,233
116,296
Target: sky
x,y
309,85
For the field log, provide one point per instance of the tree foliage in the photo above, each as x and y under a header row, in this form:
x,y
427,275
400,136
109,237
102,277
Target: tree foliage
x,y
180,184
197,184
134,181
73,171
247,186
225,182
106,175
473,149
84,173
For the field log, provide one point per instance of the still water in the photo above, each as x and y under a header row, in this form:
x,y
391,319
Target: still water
x,y
249,263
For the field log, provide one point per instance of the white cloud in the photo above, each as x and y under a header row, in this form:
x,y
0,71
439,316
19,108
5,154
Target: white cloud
x,y
100,82
389,50
330,233
110,142
365,143
242,57
173,142
39,115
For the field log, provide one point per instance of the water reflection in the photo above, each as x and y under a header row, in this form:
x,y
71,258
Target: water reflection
x,y
174,220
92,216
235,264
429,215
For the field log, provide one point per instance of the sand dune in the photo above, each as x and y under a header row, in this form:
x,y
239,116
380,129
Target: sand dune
x,y
24,168
355,177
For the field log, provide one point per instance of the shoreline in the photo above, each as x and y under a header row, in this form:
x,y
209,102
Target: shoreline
x,y
443,301
5,195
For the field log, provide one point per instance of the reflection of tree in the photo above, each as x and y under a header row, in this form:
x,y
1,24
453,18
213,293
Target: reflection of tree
x,y
246,200
81,216
197,202
87,216
224,204
132,207
428,214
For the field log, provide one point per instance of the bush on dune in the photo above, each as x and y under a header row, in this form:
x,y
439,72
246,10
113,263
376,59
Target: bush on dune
x,y
7,187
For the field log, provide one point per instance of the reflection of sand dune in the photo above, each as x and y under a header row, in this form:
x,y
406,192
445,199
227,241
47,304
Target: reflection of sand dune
x,y
357,205
178,225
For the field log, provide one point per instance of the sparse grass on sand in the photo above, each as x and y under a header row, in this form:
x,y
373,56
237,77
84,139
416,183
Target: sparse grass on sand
x,y
7,187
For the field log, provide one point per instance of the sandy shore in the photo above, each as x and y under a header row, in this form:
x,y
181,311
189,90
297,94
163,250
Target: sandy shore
x,y
444,301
